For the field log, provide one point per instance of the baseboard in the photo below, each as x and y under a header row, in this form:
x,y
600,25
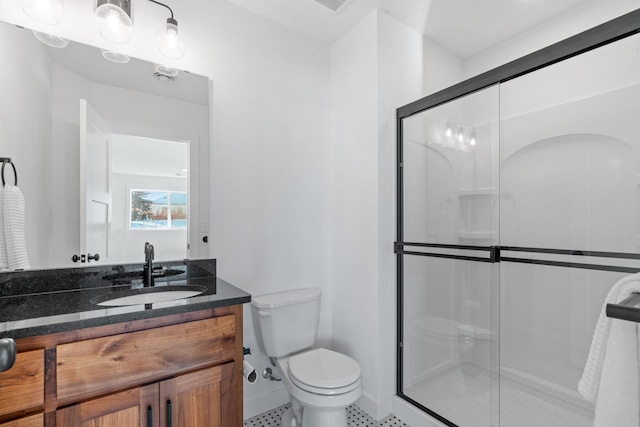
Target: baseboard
x,y
265,402
376,410
411,415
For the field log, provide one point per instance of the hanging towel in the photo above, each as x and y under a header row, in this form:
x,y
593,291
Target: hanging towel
x,y
4,263
611,377
13,208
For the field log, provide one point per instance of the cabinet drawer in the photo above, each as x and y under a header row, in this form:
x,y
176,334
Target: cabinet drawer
x,y
107,364
22,386
32,421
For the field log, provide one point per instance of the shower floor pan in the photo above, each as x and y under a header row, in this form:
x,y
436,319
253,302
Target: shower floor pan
x,y
464,400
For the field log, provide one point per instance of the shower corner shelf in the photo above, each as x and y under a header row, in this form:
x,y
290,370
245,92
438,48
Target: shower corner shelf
x,y
482,191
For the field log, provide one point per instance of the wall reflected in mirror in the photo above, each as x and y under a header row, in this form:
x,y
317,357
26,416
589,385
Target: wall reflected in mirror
x,y
146,150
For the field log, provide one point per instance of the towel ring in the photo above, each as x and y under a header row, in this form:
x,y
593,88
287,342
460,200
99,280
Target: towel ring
x,y
15,173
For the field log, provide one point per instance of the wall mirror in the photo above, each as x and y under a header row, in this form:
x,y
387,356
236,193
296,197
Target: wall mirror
x,y
108,155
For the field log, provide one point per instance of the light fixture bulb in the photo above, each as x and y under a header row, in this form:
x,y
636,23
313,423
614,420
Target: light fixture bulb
x,y
48,12
472,138
171,42
460,135
448,131
114,24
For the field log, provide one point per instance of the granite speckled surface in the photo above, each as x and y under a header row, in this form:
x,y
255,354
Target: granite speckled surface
x,y
40,302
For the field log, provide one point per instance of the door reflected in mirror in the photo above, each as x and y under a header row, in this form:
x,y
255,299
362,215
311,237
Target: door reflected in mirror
x,y
91,139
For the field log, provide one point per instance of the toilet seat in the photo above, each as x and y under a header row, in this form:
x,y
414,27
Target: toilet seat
x,y
324,372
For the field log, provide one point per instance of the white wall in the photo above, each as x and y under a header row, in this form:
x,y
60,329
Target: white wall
x,y
441,67
573,22
25,122
376,67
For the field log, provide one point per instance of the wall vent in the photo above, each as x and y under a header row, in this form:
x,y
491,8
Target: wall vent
x,y
334,5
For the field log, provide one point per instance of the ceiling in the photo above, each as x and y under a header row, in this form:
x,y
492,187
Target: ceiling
x,y
464,27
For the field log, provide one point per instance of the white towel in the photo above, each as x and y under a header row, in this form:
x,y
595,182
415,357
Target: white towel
x,y
13,208
611,376
4,262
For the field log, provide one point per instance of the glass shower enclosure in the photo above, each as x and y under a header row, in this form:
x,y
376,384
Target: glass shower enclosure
x,y
518,210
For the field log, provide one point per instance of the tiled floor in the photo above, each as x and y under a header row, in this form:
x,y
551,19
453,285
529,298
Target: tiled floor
x,y
357,418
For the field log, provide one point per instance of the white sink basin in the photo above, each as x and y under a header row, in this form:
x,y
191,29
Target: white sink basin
x,y
148,295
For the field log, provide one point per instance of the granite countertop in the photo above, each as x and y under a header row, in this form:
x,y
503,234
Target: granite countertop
x,y
41,302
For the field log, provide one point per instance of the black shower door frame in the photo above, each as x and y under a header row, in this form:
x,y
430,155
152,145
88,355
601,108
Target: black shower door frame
x,y
609,32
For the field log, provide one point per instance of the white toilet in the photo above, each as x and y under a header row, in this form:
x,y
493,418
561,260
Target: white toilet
x,y
321,382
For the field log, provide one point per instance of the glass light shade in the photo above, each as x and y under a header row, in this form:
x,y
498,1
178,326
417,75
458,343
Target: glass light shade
x,y
51,40
472,138
172,43
48,12
114,24
460,135
448,131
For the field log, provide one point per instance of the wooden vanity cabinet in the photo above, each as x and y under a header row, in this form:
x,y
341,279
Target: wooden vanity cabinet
x,y
181,370
192,400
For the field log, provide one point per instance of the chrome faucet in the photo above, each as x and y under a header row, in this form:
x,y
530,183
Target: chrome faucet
x,y
148,265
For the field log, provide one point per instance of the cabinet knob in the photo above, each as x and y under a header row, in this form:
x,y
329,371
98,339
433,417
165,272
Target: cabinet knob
x,y
95,257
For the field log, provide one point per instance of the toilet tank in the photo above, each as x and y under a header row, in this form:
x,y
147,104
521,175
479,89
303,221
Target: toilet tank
x,y
286,322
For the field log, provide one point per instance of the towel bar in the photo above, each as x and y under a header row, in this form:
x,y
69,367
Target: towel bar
x,y
4,161
627,309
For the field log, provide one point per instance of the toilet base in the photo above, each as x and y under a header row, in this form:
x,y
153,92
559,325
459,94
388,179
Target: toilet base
x,y
314,418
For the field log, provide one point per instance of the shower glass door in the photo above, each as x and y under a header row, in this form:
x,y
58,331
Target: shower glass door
x,y
450,207
569,228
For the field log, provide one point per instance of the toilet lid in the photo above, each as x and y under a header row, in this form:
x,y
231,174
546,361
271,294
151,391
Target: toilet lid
x,y
324,368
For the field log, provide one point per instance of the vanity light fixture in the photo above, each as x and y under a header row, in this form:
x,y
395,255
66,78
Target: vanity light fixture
x,y
114,20
48,12
115,25
458,135
171,41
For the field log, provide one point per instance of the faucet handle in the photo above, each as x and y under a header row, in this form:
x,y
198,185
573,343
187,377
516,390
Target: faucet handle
x,y
148,251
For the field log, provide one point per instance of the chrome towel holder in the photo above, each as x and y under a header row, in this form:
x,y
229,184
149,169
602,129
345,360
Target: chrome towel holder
x,y
4,161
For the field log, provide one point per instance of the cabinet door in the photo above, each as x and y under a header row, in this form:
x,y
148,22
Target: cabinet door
x,y
31,421
23,385
197,399
128,408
